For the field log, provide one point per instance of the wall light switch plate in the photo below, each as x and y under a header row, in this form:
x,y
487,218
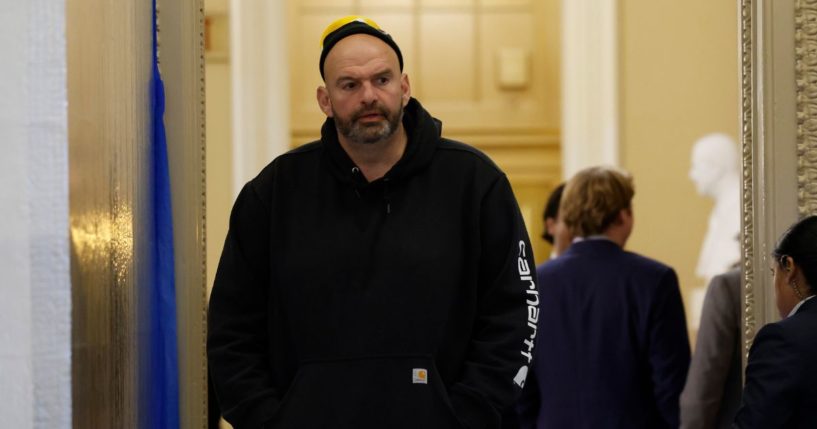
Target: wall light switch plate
x,y
513,68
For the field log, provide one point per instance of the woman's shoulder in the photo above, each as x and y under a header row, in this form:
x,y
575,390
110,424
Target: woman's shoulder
x,y
797,333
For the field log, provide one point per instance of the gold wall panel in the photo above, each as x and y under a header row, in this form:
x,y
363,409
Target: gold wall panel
x,y
327,4
446,4
386,3
506,31
448,68
505,3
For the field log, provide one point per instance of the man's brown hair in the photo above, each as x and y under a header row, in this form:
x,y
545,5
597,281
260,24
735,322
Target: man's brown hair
x,y
593,199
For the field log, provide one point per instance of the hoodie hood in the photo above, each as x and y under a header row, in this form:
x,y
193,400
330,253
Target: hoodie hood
x,y
423,131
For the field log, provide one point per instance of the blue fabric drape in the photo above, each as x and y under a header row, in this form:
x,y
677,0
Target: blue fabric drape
x,y
163,390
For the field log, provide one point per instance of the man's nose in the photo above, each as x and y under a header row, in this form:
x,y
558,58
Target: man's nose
x,y
369,95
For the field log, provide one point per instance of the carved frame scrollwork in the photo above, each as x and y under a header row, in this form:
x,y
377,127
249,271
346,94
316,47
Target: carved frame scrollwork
x,y
806,79
747,128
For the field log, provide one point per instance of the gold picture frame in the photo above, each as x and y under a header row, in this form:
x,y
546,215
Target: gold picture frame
x,y
778,68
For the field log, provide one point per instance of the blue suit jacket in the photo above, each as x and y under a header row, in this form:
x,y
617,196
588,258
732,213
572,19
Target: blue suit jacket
x,y
612,348
781,375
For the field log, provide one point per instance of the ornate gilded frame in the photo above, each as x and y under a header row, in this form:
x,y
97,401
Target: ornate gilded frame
x,y
778,66
747,224
806,78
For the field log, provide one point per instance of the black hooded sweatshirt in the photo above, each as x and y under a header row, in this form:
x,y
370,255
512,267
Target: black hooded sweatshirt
x,y
406,302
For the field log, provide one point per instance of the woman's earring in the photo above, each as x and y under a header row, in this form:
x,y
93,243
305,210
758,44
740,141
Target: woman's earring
x,y
796,289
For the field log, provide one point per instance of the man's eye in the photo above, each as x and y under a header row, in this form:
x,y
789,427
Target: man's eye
x,y
383,80
348,86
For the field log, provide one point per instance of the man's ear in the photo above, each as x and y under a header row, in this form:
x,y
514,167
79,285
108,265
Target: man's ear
x,y
324,102
405,86
623,216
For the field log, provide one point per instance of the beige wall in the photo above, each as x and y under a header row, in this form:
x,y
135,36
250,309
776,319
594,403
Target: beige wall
x,y
219,129
218,117
219,162
679,81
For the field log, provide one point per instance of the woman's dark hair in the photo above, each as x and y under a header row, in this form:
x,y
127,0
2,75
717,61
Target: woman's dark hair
x,y
552,210
800,243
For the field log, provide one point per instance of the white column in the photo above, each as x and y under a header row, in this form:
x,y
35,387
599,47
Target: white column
x,y
35,311
260,73
589,84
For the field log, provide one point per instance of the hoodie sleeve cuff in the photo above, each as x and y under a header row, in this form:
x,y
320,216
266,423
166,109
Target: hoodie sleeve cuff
x,y
258,417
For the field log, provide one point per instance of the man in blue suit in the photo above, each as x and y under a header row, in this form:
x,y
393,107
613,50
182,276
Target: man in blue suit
x,y
612,335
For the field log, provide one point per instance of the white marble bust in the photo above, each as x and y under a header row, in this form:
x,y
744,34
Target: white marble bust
x,y
715,172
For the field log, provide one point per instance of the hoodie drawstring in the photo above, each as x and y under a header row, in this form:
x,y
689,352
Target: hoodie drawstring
x,y
355,181
386,195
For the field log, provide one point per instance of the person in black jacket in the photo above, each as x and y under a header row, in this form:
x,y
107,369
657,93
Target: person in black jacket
x,y
556,233
781,380
380,277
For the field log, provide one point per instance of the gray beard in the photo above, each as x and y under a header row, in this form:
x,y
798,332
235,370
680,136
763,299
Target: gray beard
x,y
372,133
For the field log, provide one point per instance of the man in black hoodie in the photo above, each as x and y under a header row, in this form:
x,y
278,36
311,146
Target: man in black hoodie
x,y
380,277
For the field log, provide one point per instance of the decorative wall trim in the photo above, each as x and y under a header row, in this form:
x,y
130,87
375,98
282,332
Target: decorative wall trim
x,y
806,79
747,146
202,243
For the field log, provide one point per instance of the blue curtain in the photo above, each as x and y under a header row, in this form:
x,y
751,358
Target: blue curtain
x,y
163,382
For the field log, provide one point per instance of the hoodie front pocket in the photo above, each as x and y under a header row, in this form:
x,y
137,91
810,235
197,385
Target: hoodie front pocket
x,y
373,392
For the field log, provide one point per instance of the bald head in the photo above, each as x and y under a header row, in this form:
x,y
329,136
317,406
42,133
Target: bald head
x,y
357,54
